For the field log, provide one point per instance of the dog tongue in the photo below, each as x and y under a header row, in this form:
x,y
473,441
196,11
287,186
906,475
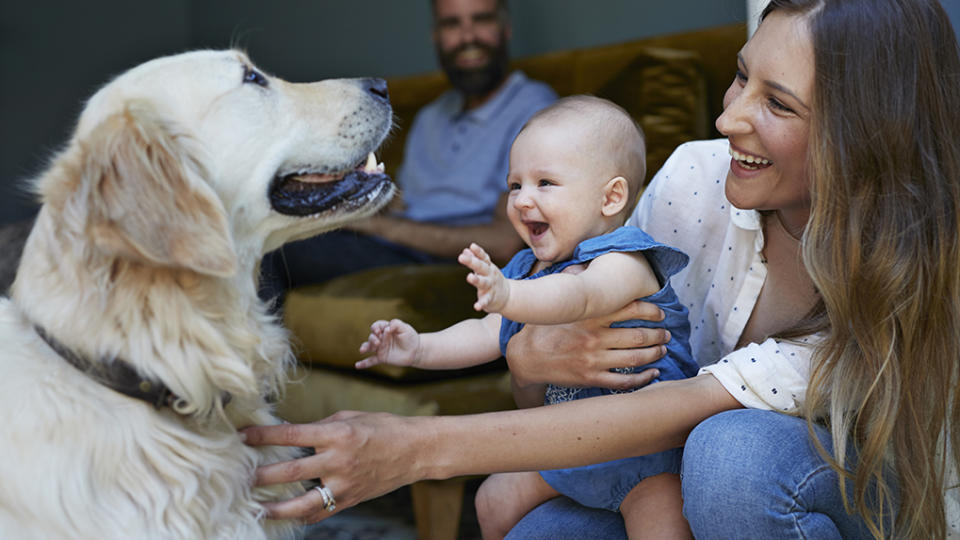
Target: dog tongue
x,y
315,178
370,167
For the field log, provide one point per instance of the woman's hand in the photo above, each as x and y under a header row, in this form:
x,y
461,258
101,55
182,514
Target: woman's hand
x,y
583,353
358,456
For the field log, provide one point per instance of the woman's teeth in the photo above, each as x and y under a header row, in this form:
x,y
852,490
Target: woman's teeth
x,y
748,161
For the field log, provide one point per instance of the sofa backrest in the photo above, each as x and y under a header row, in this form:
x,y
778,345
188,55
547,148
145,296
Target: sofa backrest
x,y
672,85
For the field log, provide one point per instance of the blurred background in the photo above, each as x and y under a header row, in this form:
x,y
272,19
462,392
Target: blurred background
x,y
55,53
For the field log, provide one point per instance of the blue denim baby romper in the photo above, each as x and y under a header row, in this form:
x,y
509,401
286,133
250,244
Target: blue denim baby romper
x,y
604,485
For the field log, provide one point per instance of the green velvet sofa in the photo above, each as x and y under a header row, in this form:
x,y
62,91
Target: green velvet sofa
x,y
672,85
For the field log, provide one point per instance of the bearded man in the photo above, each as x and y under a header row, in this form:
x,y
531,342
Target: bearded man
x,y
453,175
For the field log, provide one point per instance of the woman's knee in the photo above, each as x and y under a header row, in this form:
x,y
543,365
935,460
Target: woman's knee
x,y
760,470
740,463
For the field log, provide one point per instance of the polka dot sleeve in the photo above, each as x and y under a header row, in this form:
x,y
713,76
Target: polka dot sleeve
x,y
771,375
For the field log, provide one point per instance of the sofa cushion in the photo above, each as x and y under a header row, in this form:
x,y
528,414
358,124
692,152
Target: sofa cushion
x,y
329,321
665,91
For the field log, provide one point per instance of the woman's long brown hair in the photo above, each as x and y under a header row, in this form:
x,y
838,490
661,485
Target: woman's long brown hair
x,y
882,248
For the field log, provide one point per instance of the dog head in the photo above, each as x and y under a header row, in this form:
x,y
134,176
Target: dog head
x,y
203,161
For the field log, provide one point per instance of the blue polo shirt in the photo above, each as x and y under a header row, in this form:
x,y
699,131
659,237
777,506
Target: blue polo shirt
x,y
455,162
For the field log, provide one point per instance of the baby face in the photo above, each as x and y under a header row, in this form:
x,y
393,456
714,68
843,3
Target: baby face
x,y
556,182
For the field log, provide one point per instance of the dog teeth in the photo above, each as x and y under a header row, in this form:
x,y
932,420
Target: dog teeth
x,y
371,164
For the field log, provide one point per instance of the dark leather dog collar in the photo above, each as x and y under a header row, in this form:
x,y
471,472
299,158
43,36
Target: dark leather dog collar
x,y
117,375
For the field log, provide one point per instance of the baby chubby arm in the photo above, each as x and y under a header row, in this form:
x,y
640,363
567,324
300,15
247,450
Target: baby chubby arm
x,y
609,282
468,343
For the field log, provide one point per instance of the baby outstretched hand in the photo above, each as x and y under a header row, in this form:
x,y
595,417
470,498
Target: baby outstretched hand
x,y
390,342
493,289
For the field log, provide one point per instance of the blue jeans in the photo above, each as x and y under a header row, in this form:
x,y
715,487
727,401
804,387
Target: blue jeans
x,y
746,474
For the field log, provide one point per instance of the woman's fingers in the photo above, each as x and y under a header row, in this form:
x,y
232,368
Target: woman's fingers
x,y
280,435
645,311
624,381
307,507
304,468
342,442
315,434
634,338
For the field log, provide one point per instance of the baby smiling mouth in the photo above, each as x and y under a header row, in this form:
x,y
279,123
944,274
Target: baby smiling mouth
x,y
537,228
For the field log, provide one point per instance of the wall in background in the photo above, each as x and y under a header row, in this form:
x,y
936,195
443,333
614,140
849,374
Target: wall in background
x,y
55,53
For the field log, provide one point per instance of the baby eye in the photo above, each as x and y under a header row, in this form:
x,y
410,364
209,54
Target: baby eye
x,y
544,182
251,75
513,186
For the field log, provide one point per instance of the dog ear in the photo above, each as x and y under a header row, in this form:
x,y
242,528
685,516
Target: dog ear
x,y
147,197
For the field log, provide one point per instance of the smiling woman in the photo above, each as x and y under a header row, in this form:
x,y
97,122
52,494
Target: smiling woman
x,y
766,118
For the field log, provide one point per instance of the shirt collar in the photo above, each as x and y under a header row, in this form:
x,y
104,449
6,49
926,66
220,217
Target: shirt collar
x,y
748,220
745,219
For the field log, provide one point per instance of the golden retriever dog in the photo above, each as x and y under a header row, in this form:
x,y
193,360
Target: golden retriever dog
x,y
134,345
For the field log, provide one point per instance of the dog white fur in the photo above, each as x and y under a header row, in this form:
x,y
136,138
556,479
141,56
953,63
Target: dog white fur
x,y
145,250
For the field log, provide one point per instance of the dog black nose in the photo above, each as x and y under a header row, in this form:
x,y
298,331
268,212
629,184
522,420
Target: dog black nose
x,y
377,87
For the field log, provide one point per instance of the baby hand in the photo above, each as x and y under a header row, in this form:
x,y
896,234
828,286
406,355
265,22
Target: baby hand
x,y
394,342
493,289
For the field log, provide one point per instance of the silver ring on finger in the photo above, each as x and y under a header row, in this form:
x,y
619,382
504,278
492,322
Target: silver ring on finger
x,y
329,503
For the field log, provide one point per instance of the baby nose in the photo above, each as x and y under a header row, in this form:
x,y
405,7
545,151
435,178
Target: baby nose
x,y
523,199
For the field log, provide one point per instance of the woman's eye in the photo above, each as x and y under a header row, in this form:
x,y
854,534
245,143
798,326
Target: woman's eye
x,y
740,76
776,104
251,75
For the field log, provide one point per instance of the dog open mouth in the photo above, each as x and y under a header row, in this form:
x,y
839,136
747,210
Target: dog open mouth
x,y
305,194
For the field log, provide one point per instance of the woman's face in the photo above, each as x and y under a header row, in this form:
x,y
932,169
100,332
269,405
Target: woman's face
x,y
766,117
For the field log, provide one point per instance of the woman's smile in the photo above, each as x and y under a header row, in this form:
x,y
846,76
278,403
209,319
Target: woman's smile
x,y
748,161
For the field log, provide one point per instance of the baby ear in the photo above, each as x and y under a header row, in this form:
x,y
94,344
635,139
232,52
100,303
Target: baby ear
x,y
147,198
616,193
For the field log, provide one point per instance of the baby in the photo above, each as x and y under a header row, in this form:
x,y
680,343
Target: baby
x,y
575,169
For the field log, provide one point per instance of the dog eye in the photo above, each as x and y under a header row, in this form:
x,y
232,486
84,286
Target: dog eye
x,y
251,75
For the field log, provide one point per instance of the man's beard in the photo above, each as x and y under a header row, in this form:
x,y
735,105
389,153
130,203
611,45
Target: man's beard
x,y
478,81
